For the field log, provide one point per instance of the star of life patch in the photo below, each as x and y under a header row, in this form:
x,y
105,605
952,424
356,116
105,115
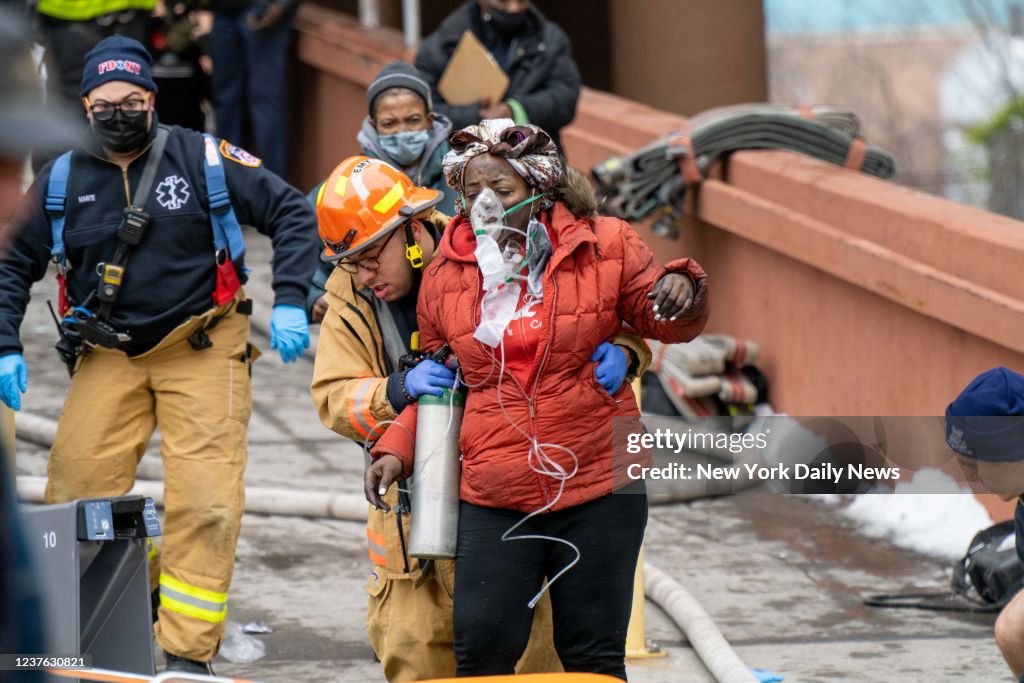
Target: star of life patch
x,y
238,155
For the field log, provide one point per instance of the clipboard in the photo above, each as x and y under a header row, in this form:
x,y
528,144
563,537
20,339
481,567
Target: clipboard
x,y
472,75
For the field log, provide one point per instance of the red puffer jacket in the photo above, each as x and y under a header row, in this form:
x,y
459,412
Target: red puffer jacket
x,y
597,278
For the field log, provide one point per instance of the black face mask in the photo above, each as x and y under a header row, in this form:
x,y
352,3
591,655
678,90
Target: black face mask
x,y
122,134
507,23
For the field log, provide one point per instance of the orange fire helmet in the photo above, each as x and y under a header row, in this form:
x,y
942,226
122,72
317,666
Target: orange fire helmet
x,y
362,201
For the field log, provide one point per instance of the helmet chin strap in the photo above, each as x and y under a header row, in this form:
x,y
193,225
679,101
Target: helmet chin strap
x,y
414,255
413,251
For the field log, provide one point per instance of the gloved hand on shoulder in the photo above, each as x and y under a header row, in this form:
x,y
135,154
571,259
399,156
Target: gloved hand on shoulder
x,y
13,379
612,365
289,332
428,377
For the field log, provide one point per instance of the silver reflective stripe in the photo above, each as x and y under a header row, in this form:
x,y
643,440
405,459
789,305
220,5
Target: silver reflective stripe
x,y
190,600
364,386
374,548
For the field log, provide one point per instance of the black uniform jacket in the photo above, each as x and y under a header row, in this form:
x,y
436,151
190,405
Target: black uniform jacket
x,y
171,274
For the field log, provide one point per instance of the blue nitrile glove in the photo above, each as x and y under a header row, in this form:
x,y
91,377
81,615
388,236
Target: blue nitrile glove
x,y
766,676
289,331
612,365
13,379
428,377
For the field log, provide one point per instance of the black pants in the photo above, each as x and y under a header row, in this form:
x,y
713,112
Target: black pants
x,y
494,581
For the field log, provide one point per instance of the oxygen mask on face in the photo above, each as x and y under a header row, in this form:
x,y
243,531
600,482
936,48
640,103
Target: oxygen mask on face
x,y
496,264
501,267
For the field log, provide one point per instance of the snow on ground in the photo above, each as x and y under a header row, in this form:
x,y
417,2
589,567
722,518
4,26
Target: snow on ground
x,y
940,522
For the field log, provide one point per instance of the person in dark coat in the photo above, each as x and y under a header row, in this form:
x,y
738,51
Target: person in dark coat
x,y
544,82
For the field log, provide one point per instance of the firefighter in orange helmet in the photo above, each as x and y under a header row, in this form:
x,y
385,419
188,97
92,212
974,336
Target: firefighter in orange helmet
x,y
381,231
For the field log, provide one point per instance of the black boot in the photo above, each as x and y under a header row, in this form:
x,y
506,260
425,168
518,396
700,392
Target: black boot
x,y
176,663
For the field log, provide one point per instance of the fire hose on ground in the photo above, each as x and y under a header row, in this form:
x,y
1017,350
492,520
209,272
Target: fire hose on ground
x,y
651,182
661,589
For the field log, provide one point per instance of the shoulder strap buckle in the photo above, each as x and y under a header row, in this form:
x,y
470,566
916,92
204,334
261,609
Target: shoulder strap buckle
x,y
56,205
227,233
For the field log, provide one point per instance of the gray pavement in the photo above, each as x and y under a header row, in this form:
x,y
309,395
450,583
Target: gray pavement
x,y
782,576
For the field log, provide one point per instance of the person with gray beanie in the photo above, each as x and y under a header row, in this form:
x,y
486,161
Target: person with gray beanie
x,y
402,129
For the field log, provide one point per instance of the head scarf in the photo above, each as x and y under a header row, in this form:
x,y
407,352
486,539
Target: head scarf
x,y
527,148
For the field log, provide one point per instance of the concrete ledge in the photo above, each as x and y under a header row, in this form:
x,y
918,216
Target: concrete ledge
x,y
975,245
917,286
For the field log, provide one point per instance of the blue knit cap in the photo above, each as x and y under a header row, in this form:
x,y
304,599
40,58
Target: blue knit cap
x,y
117,59
986,421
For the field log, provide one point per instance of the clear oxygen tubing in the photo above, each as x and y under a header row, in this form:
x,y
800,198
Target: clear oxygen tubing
x,y
370,439
538,458
541,463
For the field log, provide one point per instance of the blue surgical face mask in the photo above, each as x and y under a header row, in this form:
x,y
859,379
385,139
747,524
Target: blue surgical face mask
x,y
405,147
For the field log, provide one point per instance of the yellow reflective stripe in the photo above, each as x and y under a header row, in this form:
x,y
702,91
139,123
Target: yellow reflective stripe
x,y
80,10
388,201
152,550
193,591
213,616
320,193
340,184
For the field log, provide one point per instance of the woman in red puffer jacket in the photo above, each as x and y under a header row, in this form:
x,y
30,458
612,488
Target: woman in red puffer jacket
x,y
537,434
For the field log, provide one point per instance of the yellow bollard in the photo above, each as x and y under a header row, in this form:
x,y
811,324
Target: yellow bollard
x,y
637,645
7,432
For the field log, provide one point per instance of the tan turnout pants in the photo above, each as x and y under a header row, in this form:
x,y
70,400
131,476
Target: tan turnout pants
x,y
201,401
409,616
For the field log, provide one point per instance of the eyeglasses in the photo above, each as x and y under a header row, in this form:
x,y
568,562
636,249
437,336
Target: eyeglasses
x,y
370,264
105,111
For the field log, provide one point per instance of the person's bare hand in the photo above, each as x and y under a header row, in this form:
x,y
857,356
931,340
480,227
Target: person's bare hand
x,y
319,311
378,477
672,296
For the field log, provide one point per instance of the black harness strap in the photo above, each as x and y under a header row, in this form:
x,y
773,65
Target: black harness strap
x,y
133,227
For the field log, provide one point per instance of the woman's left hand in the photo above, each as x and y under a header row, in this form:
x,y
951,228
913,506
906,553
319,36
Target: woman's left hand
x,y
672,296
